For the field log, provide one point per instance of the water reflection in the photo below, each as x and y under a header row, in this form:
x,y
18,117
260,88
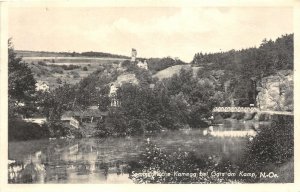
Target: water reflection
x,y
233,128
111,160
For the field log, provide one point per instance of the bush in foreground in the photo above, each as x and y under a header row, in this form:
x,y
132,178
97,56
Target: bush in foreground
x,y
273,147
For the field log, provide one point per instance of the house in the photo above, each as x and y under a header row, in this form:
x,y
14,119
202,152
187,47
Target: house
x,y
37,120
74,122
91,115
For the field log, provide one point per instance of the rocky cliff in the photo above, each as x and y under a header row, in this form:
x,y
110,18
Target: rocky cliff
x,y
275,92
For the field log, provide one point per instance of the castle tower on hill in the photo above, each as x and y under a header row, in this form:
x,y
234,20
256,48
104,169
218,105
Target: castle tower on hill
x,y
133,54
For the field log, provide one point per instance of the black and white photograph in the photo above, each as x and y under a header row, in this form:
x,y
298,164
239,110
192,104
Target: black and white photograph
x,y
150,94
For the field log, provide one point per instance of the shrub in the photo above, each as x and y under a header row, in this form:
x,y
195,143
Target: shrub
x,y
225,115
42,63
57,70
56,129
238,116
126,63
21,130
167,121
59,81
102,130
156,161
274,145
84,68
153,126
75,74
136,127
69,67
116,124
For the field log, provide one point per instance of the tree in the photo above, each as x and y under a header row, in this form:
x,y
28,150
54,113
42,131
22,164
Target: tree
x,y
21,85
57,101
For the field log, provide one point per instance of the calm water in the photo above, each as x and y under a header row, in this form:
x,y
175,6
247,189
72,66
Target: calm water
x,y
95,160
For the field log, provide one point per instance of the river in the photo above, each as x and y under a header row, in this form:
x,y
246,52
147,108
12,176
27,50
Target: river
x,y
106,160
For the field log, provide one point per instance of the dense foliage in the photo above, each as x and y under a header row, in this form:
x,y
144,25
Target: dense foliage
x,y
273,146
264,60
157,64
21,86
184,100
20,130
247,66
158,166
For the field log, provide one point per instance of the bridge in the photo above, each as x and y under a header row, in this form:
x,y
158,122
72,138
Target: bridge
x,y
249,110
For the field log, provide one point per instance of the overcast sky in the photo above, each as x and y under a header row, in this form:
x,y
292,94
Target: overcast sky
x,y
154,32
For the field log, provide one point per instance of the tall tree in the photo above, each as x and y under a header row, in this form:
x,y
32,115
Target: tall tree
x,y
21,85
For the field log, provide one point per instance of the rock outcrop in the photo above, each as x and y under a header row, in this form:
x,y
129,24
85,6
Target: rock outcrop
x,y
275,92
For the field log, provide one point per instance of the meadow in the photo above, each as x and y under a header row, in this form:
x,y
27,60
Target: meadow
x,y
55,71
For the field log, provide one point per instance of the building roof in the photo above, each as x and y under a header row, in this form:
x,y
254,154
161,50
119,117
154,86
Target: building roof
x,y
94,113
85,113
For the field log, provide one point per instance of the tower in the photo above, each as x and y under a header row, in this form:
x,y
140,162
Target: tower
x,y
133,54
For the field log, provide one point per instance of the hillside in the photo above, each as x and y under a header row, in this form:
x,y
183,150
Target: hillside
x,y
56,71
170,71
55,68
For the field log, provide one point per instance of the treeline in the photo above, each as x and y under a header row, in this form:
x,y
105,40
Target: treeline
x,y
99,54
268,58
65,67
158,64
22,53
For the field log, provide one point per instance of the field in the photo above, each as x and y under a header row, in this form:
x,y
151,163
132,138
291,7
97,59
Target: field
x,y
54,71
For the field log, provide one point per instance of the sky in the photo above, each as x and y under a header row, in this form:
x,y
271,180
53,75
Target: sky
x,y
152,31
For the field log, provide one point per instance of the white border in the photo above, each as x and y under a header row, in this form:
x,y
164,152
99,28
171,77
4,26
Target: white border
x,y
137,3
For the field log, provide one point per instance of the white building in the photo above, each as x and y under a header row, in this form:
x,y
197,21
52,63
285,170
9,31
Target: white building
x,y
113,90
39,121
113,94
143,65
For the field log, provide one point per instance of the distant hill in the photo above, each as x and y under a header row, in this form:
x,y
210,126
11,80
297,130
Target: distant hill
x,y
24,53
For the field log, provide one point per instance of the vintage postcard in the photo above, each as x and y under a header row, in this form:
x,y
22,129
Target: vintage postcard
x,y
148,93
